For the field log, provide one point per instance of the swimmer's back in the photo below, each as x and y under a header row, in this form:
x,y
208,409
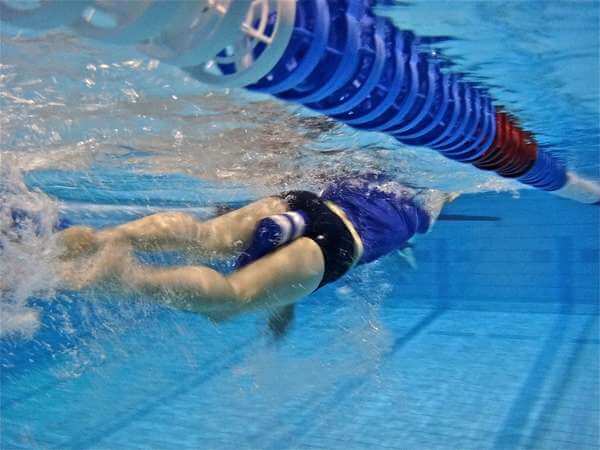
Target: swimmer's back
x,y
383,212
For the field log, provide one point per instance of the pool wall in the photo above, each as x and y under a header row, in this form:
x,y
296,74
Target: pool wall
x,y
541,254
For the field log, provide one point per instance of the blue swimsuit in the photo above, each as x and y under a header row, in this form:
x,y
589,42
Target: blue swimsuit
x,y
382,212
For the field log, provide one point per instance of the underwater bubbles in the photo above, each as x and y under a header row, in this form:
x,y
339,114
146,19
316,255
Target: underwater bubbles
x,y
27,249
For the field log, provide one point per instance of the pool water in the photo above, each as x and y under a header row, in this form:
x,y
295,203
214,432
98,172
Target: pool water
x,y
491,342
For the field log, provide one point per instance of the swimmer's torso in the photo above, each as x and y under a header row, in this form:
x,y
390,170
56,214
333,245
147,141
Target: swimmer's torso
x,y
384,214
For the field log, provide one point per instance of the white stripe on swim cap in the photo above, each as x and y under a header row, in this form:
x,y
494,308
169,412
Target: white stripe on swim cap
x,y
284,225
298,221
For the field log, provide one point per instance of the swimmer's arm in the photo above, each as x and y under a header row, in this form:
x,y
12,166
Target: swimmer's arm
x,y
278,279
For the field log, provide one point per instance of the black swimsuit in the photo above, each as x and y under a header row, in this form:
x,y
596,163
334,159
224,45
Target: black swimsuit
x,y
328,230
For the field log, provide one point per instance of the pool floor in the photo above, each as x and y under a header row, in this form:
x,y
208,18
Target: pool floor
x,y
447,378
492,343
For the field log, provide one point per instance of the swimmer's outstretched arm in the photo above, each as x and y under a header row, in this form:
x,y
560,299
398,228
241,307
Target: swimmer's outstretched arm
x,y
178,231
277,279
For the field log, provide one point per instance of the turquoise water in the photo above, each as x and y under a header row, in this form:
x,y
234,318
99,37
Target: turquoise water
x,y
492,342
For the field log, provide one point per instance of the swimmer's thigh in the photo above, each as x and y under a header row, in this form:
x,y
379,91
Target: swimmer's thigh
x,y
281,277
235,229
177,230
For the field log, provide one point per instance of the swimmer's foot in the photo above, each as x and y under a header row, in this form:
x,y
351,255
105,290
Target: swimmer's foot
x,y
408,256
109,265
78,241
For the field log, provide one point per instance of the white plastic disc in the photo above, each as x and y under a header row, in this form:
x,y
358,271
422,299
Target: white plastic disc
x,y
240,52
47,14
200,30
126,22
579,189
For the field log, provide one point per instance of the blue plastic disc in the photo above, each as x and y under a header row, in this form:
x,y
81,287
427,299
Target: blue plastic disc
x,y
304,50
435,125
373,108
332,80
426,107
370,68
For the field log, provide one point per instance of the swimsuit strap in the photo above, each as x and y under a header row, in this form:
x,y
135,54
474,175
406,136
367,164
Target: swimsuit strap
x,y
358,243
331,230
273,232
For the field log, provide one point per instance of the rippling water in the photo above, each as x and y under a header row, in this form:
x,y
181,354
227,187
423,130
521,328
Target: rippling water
x,y
68,102
491,343
73,104
540,60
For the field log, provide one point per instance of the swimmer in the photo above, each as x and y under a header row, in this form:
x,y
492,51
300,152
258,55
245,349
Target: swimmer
x,y
287,246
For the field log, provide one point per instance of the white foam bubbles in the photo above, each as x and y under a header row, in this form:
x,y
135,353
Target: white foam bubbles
x,y
27,251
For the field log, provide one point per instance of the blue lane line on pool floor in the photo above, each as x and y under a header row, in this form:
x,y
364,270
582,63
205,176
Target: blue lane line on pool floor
x,y
351,386
302,428
511,434
101,433
549,409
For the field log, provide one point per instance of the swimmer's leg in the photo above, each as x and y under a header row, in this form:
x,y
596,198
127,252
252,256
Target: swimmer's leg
x,y
78,241
178,231
277,279
107,264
